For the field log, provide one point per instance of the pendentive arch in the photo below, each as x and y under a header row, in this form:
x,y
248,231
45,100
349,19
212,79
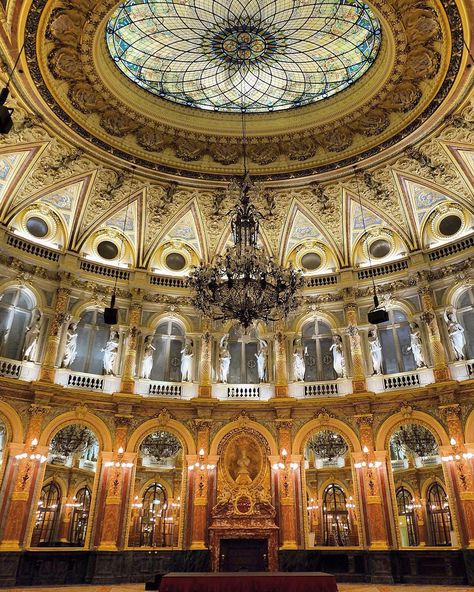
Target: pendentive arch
x,y
253,425
13,421
418,417
101,431
316,425
155,425
469,428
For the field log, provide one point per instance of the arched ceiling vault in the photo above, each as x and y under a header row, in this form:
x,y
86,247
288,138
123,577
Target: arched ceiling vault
x,y
61,157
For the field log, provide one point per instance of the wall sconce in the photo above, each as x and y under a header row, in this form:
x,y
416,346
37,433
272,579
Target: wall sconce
x,y
136,505
201,464
350,505
456,454
32,455
366,463
73,504
283,463
119,463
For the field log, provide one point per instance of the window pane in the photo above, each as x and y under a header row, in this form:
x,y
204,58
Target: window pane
x,y
310,358
465,299
407,357
388,351
95,363
235,349
175,360
468,322
251,371
326,360
159,359
308,330
399,316
17,334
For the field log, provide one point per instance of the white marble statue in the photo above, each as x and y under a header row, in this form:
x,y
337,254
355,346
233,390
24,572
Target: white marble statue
x,y
375,351
30,345
187,356
224,359
70,351
338,361
299,364
147,362
261,356
110,353
456,334
415,346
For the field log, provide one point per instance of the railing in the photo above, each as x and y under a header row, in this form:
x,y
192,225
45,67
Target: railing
x,y
321,389
401,381
243,392
462,245
167,282
85,381
32,248
165,389
98,269
386,269
324,280
10,368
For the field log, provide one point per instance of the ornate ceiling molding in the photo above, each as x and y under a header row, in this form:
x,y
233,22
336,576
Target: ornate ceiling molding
x,y
416,69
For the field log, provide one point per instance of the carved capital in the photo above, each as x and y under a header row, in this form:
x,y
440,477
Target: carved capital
x,y
365,419
283,424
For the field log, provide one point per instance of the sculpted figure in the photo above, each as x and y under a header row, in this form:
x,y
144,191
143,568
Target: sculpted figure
x,y
299,365
243,474
376,351
147,363
456,335
70,351
187,355
30,345
261,356
224,359
416,347
338,361
110,353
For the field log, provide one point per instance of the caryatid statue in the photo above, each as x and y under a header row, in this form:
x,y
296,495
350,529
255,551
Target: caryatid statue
x,y
110,353
416,347
261,356
30,345
70,351
224,359
299,364
338,361
147,362
375,351
456,334
187,356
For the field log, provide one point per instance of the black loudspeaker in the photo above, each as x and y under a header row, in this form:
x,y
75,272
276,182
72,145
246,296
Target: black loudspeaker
x,y
6,122
111,314
377,316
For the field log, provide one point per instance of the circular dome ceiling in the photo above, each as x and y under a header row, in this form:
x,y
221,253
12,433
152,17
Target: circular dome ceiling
x,y
256,56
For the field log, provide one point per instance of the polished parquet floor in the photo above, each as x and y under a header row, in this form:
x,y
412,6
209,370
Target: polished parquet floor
x,y
342,588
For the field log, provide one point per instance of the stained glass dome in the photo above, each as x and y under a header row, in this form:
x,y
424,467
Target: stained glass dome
x,y
252,55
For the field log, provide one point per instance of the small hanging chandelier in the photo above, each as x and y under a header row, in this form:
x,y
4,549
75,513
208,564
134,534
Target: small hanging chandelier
x,y
245,284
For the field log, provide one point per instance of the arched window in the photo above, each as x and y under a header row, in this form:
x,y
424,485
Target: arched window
x,y
16,309
80,516
335,517
394,336
168,341
439,516
92,337
407,518
47,514
317,341
155,529
243,350
465,315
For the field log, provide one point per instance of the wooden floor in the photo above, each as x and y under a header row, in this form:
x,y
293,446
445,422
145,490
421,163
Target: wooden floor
x,y
342,588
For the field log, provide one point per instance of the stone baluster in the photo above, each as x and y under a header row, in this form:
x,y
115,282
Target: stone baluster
x,y
358,370
48,367
438,354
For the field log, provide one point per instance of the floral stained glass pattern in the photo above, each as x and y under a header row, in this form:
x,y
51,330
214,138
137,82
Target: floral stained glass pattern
x,y
243,55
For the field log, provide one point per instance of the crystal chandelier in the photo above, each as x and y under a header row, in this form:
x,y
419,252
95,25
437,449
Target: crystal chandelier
x,y
245,284
160,446
328,445
415,439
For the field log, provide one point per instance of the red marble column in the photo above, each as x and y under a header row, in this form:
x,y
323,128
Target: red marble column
x,y
201,493
286,487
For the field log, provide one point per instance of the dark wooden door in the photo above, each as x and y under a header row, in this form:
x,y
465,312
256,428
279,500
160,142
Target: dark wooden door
x,y
244,555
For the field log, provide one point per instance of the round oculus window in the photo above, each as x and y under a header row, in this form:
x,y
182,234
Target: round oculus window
x,y
450,225
175,261
107,250
380,248
311,261
37,227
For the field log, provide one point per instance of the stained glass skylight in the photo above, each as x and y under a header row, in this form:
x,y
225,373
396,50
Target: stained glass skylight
x,y
252,55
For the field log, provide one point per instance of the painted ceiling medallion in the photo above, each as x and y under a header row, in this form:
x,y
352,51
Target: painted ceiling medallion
x,y
254,56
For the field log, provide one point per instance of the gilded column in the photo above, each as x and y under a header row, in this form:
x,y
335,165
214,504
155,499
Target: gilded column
x,y
200,476
358,369
205,363
54,335
117,472
461,472
440,369
130,359
281,369
26,475
287,486
370,470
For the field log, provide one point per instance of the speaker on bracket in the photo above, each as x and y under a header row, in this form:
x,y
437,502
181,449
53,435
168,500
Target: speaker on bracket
x,y
377,314
111,313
